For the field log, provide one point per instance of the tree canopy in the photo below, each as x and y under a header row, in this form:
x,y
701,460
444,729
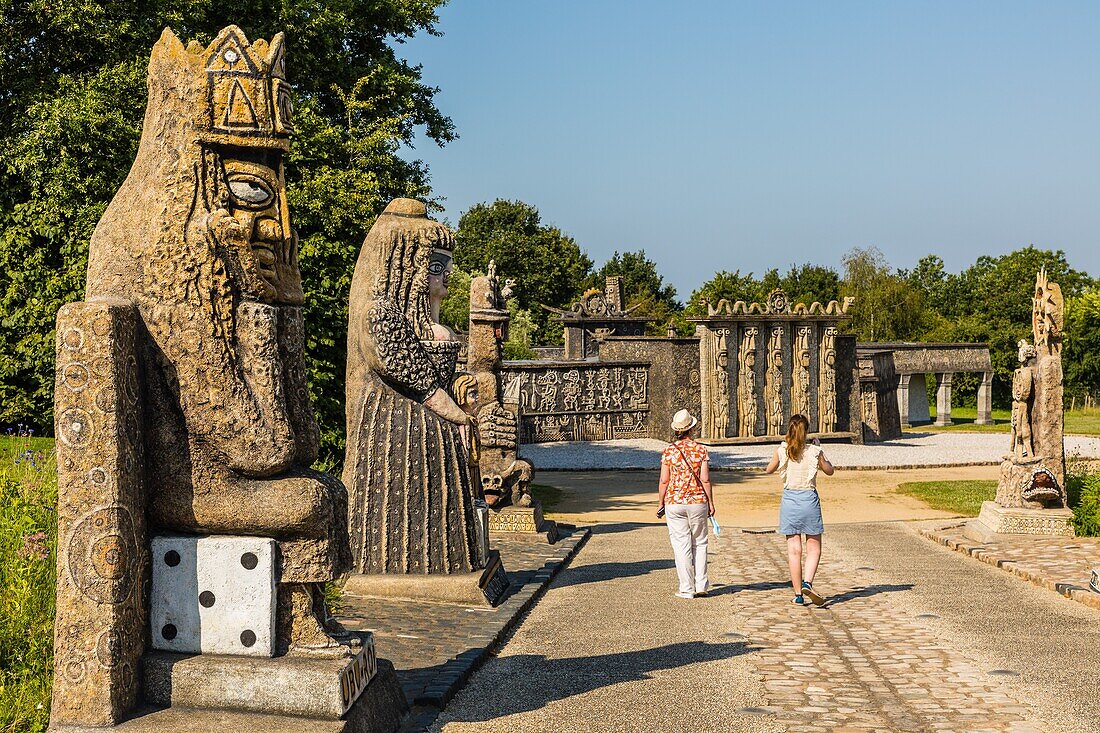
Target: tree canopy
x,y
73,81
548,265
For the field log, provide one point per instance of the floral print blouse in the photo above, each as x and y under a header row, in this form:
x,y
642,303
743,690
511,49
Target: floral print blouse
x,y
682,486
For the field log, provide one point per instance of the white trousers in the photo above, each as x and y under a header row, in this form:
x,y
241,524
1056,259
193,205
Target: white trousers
x,y
687,530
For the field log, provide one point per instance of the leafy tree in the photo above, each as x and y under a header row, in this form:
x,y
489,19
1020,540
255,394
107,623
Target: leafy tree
x,y
73,81
643,287
454,311
548,266
887,307
732,286
1081,351
808,283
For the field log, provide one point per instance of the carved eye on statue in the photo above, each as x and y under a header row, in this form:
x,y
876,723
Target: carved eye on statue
x,y
249,191
436,268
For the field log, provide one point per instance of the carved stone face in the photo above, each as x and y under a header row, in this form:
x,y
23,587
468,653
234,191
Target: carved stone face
x,y
439,275
264,241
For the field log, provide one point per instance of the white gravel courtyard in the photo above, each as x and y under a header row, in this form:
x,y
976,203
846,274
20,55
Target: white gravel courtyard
x,y
912,450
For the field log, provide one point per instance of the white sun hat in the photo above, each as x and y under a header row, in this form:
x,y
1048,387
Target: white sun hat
x,y
683,421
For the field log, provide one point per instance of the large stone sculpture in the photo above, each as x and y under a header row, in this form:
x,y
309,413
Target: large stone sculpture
x,y
1031,495
826,402
714,358
773,387
413,511
800,380
183,412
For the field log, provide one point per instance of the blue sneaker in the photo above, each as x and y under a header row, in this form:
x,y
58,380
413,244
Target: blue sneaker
x,y
813,595
798,601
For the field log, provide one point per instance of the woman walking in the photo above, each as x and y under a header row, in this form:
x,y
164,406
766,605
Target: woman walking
x,y
800,509
685,500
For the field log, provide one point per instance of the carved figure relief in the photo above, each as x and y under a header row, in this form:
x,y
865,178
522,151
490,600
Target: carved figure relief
x,y
773,386
827,381
571,390
1048,315
1023,380
746,388
800,376
777,304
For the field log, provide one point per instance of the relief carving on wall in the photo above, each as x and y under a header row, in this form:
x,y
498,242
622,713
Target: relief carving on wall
x,y
773,384
746,382
800,377
826,395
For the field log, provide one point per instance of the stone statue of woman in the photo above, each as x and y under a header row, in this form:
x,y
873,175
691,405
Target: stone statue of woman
x,y
411,505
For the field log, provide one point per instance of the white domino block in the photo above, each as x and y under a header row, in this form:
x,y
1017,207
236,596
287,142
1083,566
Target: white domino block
x,y
214,595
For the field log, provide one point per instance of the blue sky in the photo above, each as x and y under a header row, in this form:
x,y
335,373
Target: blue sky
x,y
737,135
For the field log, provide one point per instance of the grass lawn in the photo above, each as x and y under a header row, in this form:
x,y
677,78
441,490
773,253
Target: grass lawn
x,y
548,496
28,496
1078,422
958,497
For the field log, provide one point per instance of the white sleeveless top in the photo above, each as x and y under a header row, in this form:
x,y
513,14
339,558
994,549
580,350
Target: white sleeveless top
x,y
799,475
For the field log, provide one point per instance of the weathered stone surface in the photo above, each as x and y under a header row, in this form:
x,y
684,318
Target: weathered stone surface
x,y
995,519
407,469
378,710
102,558
878,395
464,589
299,686
527,520
595,317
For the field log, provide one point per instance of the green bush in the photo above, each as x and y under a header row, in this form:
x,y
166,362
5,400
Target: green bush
x,y
28,543
1083,488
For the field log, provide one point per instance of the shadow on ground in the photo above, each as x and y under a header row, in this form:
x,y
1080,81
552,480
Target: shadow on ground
x,y
871,590
520,678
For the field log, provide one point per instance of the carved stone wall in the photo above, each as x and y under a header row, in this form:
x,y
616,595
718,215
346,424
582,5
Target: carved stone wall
x,y
674,381
782,359
877,392
579,400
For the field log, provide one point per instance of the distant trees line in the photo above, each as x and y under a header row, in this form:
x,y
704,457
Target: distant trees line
x,y
988,302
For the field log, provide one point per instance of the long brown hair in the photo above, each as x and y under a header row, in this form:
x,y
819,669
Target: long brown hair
x,y
796,437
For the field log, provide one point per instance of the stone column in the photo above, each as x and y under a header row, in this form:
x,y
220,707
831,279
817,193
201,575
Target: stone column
x,y
903,399
985,400
943,398
574,342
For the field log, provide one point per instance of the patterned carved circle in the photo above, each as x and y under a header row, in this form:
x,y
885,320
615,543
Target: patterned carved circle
x,y
693,377
108,648
105,399
72,339
75,376
130,384
75,428
101,325
103,555
99,476
75,670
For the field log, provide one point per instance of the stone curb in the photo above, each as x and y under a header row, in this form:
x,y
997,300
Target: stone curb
x,y
457,670
1078,593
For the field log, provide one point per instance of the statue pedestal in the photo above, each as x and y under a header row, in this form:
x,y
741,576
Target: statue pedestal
x,y
995,519
288,694
523,519
480,588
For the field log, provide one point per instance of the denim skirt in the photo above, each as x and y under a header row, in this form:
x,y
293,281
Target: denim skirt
x,y
800,512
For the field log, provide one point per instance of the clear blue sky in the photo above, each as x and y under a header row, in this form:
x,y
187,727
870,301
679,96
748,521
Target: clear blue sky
x,y
737,135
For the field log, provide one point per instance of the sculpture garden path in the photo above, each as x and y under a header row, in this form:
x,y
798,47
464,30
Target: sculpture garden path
x,y
915,638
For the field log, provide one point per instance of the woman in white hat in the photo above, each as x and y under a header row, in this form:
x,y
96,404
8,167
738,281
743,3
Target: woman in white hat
x,y
685,501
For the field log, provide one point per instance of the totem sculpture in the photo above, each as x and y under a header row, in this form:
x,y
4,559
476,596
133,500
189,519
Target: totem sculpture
x,y
800,381
826,402
184,422
746,387
773,386
505,477
412,508
714,356
1031,495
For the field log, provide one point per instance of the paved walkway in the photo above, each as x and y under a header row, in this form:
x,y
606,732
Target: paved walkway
x,y
912,450
916,638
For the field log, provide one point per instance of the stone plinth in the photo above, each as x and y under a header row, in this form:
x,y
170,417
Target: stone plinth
x,y
995,519
481,588
379,709
526,520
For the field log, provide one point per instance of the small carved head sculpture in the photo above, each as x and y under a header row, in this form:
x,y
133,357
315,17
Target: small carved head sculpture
x,y
1025,352
492,486
466,392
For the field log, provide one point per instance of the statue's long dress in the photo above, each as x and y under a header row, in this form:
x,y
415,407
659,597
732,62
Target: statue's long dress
x,y
411,505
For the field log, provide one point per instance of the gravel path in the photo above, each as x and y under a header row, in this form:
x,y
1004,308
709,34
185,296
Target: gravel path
x,y
913,450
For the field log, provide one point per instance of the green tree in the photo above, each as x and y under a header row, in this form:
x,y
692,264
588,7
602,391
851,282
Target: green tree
x,y
731,286
548,266
887,307
1081,354
73,81
645,289
808,283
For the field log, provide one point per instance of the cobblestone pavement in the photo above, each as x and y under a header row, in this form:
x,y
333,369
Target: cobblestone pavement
x,y
861,662
914,638
1061,564
912,450
436,646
